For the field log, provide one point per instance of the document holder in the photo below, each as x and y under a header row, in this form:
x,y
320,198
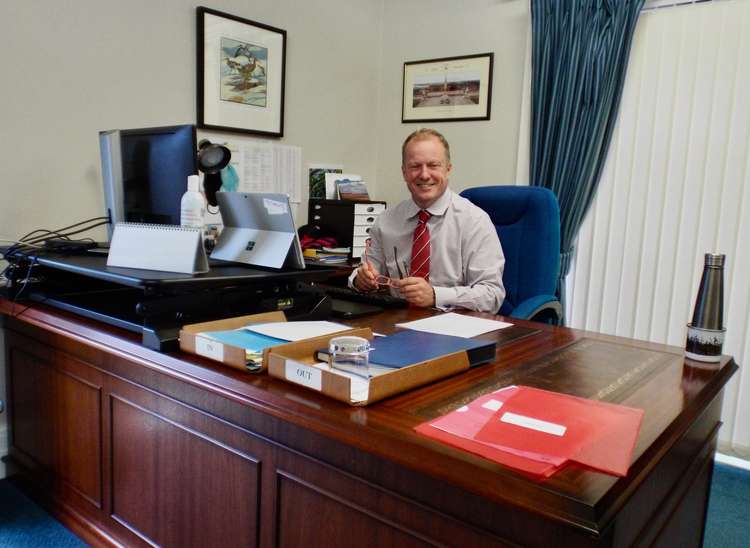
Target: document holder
x,y
168,248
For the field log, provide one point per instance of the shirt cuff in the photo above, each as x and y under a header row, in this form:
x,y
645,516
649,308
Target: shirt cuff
x,y
350,283
445,297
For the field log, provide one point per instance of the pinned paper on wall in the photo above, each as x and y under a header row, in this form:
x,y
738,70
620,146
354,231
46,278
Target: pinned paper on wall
x,y
263,166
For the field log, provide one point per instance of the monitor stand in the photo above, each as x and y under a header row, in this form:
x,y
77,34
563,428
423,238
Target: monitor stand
x,y
156,310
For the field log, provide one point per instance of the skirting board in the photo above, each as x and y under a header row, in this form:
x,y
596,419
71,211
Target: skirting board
x,y
732,461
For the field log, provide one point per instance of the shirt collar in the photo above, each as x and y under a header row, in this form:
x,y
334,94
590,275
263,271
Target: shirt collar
x,y
438,208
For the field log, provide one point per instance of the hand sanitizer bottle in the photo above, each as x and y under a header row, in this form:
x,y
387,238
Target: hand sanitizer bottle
x,y
192,205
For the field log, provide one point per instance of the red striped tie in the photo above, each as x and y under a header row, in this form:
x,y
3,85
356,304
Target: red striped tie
x,y
420,250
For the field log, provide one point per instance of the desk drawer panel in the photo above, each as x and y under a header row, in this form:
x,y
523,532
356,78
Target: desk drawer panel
x,y
56,414
362,230
365,220
359,241
321,506
360,209
165,474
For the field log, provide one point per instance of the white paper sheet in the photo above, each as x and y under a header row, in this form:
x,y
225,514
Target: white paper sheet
x,y
265,166
454,324
296,331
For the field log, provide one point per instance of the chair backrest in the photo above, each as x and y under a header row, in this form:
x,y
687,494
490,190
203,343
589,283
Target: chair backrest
x,y
527,220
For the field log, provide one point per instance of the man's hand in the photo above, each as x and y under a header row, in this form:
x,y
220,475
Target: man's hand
x,y
416,290
366,279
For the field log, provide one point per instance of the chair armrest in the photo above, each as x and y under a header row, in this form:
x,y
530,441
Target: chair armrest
x,y
530,308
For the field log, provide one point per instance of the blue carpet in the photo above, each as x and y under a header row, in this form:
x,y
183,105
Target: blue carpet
x,y
728,524
25,524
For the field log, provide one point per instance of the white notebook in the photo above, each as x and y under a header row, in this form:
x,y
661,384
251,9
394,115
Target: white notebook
x,y
168,248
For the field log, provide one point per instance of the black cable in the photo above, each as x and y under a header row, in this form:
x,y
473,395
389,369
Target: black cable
x,y
29,241
65,235
66,227
23,287
48,234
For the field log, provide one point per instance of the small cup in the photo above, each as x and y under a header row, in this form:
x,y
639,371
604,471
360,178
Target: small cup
x,y
351,354
704,345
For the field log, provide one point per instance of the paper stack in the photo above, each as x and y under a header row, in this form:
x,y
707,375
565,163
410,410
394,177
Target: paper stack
x,y
538,432
252,342
256,338
327,255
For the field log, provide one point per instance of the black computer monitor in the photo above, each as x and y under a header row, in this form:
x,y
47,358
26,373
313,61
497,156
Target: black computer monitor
x,y
145,172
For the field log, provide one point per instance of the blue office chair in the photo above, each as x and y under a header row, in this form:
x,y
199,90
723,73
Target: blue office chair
x,y
527,220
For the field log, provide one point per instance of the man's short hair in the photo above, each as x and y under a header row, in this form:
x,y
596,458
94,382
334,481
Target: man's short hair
x,y
422,134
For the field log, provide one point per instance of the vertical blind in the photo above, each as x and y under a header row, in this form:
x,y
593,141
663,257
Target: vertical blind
x,y
676,185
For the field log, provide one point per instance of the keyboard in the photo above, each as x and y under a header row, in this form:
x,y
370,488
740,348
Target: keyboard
x,y
379,298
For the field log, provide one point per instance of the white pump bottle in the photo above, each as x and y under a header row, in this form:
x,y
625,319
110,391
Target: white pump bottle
x,y
193,204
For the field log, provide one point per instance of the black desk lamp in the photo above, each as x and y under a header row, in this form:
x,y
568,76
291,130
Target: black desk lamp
x,y
212,158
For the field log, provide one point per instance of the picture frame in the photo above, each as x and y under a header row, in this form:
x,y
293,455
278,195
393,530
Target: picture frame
x,y
240,74
449,89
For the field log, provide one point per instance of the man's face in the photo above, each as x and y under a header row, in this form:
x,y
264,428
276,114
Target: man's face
x,y
426,170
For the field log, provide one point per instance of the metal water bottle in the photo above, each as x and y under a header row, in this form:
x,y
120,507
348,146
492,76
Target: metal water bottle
x,y
706,331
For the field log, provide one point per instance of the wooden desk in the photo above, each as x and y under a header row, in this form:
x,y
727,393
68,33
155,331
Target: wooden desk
x,y
132,446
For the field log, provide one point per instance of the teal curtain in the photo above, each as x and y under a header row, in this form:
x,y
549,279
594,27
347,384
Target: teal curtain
x,y
580,51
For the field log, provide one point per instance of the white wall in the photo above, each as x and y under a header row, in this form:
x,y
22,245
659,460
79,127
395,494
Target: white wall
x,y
78,67
483,152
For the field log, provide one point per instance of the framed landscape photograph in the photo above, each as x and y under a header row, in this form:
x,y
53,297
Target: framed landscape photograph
x,y
240,71
449,89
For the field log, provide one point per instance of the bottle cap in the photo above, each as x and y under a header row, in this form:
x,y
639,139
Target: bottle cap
x,y
193,183
714,260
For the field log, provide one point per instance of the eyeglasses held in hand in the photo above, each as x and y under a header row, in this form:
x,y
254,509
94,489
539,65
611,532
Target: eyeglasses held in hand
x,y
380,279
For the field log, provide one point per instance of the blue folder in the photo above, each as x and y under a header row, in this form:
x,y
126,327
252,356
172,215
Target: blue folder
x,y
411,347
249,340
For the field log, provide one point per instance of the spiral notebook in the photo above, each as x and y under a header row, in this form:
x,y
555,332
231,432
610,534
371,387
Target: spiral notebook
x,y
168,248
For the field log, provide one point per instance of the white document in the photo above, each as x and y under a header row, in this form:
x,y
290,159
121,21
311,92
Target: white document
x,y
267,167
258,172
534,424
158,247
296,331
264,166
454,324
